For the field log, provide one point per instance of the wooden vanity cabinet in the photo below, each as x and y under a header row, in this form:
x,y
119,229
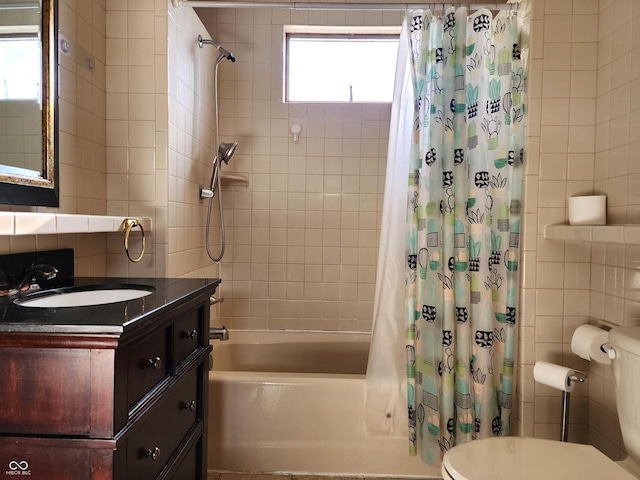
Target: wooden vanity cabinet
x,y
103,407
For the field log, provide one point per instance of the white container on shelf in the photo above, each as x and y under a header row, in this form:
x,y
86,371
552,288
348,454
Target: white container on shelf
x,y
588,210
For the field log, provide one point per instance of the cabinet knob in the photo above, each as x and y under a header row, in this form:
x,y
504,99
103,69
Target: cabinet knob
x,y
192,335
190,405
154,453
155,363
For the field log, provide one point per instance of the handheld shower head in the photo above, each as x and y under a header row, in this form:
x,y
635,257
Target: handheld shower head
x,y
224,53
226,151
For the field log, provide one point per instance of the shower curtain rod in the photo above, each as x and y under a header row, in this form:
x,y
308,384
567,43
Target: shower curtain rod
x,y
339,6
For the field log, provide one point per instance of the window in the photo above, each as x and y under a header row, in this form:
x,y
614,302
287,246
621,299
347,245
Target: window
x,y
340,64
20,75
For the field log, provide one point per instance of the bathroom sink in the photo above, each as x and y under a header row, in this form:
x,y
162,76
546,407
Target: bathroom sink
x,y
84,296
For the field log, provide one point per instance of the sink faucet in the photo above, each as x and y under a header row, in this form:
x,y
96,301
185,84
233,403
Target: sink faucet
x,y
28,283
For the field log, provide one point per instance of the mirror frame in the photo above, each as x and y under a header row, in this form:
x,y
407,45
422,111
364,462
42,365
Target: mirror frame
x,y
42,191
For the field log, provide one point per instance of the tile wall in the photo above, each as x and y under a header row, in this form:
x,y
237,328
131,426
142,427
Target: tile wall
x,y
159,130
555,282
302,238
83,162
584,91
136,124
615,268
191,144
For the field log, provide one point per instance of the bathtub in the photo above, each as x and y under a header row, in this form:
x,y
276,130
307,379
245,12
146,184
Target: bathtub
x,y
292,402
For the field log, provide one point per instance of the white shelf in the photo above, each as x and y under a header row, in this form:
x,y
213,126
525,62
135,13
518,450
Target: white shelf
x,y
27,223
628,234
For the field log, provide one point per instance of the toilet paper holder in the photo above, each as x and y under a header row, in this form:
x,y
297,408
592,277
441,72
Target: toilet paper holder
x,y
576,377
609,350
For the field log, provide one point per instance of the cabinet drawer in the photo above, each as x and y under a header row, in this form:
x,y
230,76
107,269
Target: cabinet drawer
x,y
148,364
187,335
152,445
189,467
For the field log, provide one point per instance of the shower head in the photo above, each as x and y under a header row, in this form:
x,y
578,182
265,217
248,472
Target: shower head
x,y
224,53
226,151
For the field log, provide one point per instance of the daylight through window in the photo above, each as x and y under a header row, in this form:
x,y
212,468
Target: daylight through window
x,y
337,67
20,76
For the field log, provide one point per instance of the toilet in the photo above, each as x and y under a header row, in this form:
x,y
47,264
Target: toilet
x,y
506,458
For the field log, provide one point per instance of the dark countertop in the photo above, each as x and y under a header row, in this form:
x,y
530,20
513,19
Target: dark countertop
x,y
114,318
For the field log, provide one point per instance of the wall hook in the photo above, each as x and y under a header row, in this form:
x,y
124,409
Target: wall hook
x,y
296,130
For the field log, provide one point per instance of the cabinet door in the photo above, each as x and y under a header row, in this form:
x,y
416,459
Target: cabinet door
x,y
56,459
56,391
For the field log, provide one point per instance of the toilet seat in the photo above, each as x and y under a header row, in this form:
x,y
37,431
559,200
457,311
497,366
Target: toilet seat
x,y
506,458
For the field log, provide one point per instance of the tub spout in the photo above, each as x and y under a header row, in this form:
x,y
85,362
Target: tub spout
x,y
221,333
213,300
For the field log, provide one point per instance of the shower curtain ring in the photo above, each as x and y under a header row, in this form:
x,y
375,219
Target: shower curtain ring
x,y
129,224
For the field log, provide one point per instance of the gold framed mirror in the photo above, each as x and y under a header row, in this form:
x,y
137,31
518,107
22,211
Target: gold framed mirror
x,y
29,102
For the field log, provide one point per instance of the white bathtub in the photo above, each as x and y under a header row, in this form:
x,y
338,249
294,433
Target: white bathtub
x,y
293,402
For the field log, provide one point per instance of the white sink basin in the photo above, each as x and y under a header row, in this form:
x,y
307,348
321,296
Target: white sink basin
x,y
84,297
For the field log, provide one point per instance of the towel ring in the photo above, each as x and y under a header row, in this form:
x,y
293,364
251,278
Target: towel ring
x,y
129,224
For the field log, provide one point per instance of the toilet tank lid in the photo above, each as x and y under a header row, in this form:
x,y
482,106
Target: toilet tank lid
x,y
626,338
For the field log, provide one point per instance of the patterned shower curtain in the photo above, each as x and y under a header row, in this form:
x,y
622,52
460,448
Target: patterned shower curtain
x,y
463,226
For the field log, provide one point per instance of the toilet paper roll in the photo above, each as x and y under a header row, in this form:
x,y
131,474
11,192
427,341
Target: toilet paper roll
x,y
552,375
588,210
587,343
